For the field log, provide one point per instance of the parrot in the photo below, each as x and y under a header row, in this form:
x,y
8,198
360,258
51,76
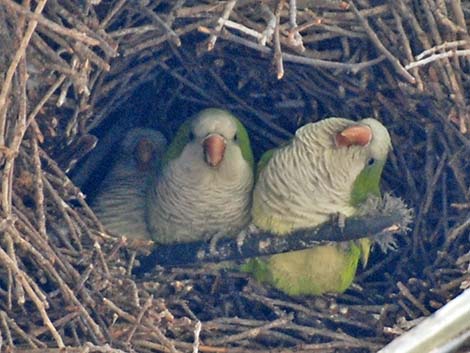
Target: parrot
x,y
120,203
328,169
204,188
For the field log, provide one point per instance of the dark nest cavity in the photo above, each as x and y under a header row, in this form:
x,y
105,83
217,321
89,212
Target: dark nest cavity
x,y
74,73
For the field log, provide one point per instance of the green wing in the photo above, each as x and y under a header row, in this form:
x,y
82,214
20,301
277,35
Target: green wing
x,y
179,142
263,161
244,143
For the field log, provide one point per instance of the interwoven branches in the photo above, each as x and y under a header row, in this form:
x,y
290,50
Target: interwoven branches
x,y
278,64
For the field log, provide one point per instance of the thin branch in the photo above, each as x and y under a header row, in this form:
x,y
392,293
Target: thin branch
x,y
435,57
392,216
220,23
375,39
277,42
354,68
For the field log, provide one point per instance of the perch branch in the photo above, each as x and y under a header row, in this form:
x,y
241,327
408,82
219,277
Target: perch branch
x,y
393,218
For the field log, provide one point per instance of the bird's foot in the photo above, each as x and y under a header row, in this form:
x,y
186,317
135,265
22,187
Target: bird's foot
x,y
338,219
387,241
213,242
248,230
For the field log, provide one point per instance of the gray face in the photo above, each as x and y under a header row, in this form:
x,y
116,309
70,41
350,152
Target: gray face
x,y
135,135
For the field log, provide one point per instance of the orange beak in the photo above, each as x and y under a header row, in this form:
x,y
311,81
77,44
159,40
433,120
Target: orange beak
x,y
356,135
214,149
143,154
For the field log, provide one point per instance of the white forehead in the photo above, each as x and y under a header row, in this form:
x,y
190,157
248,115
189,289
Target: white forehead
x,y
214,121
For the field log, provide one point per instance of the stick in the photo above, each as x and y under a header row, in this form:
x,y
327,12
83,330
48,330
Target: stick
x,y
264,243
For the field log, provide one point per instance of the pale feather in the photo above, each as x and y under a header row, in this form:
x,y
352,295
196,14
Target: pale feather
x,y
302,185
120,204
308,180
191,201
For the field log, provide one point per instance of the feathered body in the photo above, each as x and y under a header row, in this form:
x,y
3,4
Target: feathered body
x,y
302,185
192,199
120,204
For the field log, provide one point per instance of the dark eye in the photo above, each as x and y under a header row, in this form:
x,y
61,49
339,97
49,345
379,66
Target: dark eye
x,y
191,136
235,138
371,161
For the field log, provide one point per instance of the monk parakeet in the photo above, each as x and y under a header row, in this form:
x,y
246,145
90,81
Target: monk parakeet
x,y
330,167
205,185
120,204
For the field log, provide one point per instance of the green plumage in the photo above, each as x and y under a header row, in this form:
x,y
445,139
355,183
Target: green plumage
x,y
367,183
264,160
301,185
245,146
178,143
293,280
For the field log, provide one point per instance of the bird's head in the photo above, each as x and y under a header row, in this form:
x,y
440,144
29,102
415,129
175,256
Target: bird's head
x,y
217,132
368,133
145,146
355,150
376,142
208,139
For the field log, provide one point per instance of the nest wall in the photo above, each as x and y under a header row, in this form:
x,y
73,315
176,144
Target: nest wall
x,y
77,74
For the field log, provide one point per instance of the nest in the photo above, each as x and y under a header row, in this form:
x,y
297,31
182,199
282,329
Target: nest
x,y
77,71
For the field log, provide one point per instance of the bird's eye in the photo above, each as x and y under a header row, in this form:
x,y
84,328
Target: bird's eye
x,y
371,161
235,138
191,136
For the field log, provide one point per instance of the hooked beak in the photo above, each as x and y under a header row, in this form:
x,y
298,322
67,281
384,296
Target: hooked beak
x,y
143,154
359,135
214,149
